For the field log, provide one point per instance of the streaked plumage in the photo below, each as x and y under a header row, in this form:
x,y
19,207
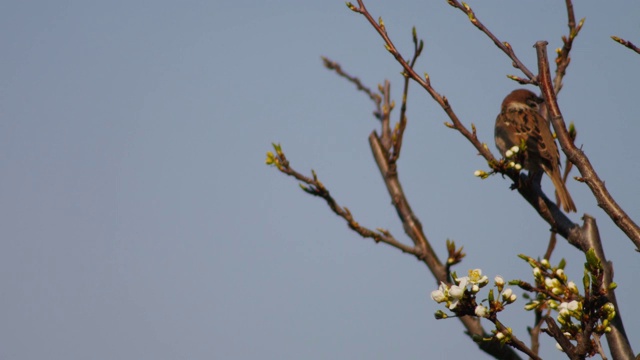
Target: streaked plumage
x,y
519,120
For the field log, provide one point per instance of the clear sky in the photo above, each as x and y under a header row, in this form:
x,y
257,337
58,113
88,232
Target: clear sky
x,y
140,222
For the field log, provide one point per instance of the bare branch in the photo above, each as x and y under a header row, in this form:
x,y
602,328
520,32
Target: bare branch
x,y
425,83
626,43
418,45
563,59
535,333
387,107
316,188
504,46
412,225
377,100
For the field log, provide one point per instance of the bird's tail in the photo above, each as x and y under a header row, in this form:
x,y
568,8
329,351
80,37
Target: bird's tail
x,y
563,194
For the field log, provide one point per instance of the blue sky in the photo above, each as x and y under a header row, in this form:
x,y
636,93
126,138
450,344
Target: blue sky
x,y
140,222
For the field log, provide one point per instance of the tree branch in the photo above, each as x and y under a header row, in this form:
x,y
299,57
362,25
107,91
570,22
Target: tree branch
x,y
377,100
617,339
386,150
626,43
504,46
514,341
577,156
317,188
565,344
563,59
546,208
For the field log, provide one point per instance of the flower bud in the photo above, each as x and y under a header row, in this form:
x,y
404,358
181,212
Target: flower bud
x,y
532,305
440,315
507,294
481,311
438,296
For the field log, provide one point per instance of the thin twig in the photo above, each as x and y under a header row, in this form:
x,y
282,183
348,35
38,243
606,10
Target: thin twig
x,y
425,83
626,43
317,188
535,333
387,107
596,339
504,46
551,246
418,46
377,100
563,59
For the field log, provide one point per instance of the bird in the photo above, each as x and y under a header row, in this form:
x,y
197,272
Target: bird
x,y
520,122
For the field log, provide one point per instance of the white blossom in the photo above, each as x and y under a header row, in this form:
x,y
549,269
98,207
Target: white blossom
x,y
456,292
481,311
440,295
565,308
507,294
537,272
475,277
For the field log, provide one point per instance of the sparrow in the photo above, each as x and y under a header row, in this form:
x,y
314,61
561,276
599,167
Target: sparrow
x,y
520,122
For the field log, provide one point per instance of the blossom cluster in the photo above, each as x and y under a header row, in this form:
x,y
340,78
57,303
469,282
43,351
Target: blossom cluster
x,y
460,297
511,155
554,291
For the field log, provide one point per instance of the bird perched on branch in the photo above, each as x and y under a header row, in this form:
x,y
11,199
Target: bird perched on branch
x,y
520,123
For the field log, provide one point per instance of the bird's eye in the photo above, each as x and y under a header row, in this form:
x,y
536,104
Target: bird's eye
x,y
532,103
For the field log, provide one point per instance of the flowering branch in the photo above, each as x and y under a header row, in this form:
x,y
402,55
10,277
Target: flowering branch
x,y
386,148
461,299
385,156
595,312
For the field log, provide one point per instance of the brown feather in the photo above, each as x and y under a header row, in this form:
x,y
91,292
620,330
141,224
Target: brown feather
x,y
520,121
